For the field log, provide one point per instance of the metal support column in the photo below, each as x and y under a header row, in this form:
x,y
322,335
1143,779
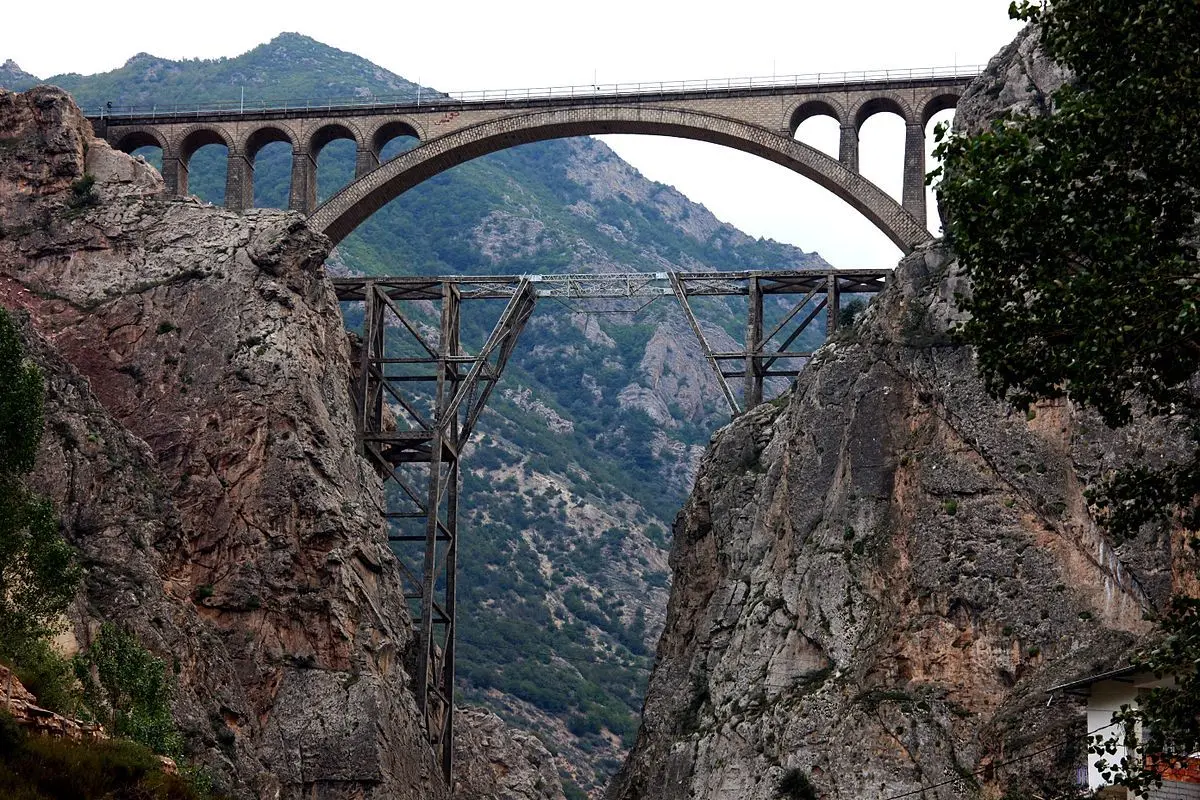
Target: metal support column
x,y
681,295
412,435
753,394
435,699
833,301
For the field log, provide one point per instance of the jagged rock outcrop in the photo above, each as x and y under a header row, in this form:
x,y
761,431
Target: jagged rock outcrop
x,y
201,452
877,578
22,706
875,583
495,761
1019,80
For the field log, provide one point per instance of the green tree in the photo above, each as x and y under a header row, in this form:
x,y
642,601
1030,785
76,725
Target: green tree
x,y
127,686
1078,230
38,574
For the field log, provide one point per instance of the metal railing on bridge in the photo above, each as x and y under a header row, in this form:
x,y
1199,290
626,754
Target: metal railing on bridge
x,y
421,96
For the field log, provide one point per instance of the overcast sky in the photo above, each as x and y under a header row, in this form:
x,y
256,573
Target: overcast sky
x,y
469,44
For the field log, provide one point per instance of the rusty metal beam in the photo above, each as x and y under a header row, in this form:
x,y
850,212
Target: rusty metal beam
x,y
681,296
402,438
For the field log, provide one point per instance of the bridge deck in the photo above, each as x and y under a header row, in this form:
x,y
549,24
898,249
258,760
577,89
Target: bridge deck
x,y
498,99
618,285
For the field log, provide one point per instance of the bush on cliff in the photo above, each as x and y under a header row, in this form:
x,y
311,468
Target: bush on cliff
x,y
38,573
40,768
127,688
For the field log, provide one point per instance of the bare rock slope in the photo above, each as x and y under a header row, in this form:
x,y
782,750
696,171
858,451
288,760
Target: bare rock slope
x,y
201,452
877,579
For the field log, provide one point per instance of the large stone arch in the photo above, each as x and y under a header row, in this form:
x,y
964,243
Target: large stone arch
x,y
343,212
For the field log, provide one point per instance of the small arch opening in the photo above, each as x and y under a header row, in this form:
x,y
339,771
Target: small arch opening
x,y
204,166
138,140
273,175
818,124
393,139
143,144
937,106
881,135
335,168
334,148
269,151
821,132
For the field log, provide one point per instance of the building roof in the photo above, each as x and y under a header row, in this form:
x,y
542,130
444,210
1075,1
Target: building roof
x,y
1074,687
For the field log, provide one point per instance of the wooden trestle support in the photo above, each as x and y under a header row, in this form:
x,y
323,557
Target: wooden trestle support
x,y
418,399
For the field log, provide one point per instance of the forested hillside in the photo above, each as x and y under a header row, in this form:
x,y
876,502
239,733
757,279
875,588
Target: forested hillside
x,y
592,439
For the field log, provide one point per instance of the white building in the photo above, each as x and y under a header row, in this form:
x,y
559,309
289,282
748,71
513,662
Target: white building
x,y
1106,693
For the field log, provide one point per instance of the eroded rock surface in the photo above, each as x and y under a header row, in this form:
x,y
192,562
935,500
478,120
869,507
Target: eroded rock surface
x,y
495,762
877,578
876,582
201,452
1019,80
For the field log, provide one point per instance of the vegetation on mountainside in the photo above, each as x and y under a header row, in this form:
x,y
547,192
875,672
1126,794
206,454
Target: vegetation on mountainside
x,y
38,573
42,768
127,688
1079,233
319,73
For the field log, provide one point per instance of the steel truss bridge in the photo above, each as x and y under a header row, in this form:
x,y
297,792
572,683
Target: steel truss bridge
x,y
419,394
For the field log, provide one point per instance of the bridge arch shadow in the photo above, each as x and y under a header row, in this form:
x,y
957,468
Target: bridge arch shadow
x,y
343,212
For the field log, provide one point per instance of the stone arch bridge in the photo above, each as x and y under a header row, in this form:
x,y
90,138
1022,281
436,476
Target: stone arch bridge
x,y
415,441
758,116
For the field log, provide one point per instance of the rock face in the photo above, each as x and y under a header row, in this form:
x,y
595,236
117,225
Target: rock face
x,y
200,449
494,761
877,579
1019,80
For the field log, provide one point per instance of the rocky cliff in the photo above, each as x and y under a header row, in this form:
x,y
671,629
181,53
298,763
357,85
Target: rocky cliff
x,y
600,419
200,450
877,578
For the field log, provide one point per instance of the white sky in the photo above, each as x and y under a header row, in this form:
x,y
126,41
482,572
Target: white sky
x,y
473,44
